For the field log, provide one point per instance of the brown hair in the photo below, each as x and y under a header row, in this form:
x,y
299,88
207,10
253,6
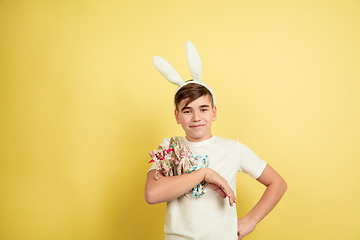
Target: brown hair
x,y
191,92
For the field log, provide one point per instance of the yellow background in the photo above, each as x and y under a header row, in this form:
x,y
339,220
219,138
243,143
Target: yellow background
x,y
82,106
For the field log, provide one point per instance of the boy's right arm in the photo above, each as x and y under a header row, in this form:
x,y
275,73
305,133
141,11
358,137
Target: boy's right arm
x,y
168,188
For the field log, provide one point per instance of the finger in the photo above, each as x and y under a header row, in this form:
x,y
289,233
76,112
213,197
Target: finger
x,y
222,189
227,190
217,189
231,197
229,193
221,193
230,202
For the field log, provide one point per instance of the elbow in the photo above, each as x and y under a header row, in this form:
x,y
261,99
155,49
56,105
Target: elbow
x,y
150,197
149,200
280,185
283,186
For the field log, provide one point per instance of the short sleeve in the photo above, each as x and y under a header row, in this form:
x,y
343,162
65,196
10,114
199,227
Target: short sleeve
x,y
165,142
250,163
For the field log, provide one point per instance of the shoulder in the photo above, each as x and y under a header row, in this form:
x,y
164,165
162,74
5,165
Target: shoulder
x,y
232,143
165,142
222,140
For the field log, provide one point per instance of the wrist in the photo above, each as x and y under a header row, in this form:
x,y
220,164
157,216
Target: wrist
x,y
203,173
253,219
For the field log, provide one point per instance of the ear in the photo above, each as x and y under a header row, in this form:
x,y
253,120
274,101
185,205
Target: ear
x,y
167,71
176,113
194,61
215,113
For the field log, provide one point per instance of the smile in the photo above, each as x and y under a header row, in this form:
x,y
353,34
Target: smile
x,y
196,126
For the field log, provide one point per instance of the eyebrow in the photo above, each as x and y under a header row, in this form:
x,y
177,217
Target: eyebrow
x,y
202,106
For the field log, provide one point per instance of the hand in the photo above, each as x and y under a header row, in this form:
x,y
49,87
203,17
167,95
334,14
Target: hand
x,y
160,175
220,185
245,226
217,189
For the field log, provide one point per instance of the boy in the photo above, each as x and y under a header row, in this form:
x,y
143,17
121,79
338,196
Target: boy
x,y
212,216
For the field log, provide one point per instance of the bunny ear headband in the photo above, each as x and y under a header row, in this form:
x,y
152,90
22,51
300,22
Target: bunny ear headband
x,y
195,67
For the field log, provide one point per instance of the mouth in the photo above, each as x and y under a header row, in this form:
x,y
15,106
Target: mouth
x,y
196,126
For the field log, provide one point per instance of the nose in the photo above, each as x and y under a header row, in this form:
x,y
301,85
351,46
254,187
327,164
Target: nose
x,y
196,117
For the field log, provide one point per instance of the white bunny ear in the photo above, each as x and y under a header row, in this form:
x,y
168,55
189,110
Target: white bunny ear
x,y
194,61
167,71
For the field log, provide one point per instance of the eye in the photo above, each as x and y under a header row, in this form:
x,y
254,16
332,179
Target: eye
x,y
186,111
204,109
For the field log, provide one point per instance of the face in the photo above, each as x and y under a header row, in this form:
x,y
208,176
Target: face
x,y
196,118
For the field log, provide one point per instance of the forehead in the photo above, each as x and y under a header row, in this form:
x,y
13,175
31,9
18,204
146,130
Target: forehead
x,y
199,102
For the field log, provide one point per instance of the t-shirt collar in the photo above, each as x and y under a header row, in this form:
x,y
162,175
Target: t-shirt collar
x,y
196,144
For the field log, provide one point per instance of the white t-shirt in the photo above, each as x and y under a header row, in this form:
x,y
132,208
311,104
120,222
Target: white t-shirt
x,y
211,217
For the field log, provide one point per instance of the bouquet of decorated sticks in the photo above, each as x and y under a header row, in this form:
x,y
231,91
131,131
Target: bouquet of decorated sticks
x,y
176,160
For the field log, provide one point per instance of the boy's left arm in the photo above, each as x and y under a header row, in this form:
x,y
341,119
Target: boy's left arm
x,y
276,187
